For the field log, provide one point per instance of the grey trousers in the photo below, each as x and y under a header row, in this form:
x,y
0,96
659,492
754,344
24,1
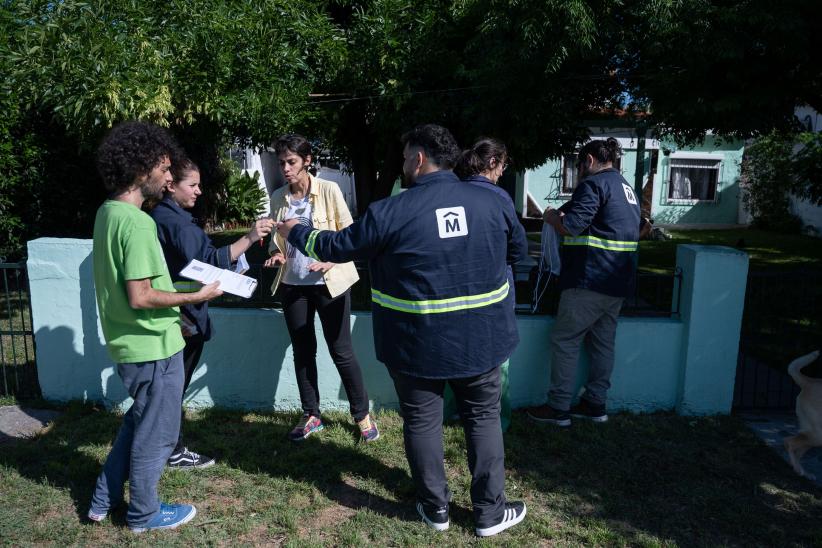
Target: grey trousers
x,y
478,402
588,316
145,440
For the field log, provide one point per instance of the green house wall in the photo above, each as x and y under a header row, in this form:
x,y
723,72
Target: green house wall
x,y
544,183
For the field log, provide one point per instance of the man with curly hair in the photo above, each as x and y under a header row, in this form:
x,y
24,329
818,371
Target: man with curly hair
x,y
141,325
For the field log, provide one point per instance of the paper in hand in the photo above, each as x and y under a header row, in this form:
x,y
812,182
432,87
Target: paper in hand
x,y
230,282
242,264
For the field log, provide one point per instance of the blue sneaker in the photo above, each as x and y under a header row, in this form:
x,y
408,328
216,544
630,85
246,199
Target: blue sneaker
x,y
169,517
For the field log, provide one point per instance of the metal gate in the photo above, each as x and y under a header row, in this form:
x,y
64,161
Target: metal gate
x,y
782,321
18,371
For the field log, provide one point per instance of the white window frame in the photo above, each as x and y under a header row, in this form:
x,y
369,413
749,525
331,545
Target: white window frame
x,y
696,156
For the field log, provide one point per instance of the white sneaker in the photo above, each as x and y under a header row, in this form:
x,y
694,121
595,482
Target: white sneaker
x,y
513,514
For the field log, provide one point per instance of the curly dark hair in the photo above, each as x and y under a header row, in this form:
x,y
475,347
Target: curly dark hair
x,y
439,145
131,150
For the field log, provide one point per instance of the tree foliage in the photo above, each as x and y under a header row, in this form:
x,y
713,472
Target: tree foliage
x,y
213,71
735,68
246,67
357,73
524,71
776,166
767,172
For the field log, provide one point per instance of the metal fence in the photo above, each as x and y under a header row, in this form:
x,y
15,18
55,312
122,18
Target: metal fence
x,y
653,293
18,372
782,321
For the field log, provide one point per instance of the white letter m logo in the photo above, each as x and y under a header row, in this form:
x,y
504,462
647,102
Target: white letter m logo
x,y
451,222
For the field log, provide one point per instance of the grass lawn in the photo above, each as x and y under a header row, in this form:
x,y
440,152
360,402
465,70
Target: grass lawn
x,y
647,480
769,251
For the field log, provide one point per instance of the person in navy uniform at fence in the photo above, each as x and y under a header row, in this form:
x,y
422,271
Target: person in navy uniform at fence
x,y
600,226
182,240
442,313
141,325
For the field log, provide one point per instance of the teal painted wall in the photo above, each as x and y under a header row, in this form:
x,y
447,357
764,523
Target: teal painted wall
x,y
724,210
545,183
249,363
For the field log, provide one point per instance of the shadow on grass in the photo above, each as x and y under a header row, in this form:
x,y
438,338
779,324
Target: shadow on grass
x,y
322,461
63,456
634,480
691,481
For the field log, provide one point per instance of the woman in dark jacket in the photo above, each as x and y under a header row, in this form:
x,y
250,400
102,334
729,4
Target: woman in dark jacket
x,y
182,240
482,165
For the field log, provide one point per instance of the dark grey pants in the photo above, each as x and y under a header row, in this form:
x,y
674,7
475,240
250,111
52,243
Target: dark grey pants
x,y
145,440
478,403
589,317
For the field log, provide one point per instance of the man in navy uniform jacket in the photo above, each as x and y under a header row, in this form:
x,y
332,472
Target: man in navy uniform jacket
x,y
442,313
601,226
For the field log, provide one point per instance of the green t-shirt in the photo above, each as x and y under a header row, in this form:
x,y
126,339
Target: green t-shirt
x,y
126,248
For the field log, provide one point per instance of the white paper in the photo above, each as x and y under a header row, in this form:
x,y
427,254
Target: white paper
x,y
230,282
242,264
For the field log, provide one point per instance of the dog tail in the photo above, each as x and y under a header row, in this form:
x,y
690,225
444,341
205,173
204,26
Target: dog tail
x,y
795,367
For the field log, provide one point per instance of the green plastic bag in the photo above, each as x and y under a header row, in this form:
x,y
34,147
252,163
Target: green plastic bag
x,y
449,408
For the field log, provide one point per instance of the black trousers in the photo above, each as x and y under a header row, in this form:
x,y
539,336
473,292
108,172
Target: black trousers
x,y
300,302
191,358
478,402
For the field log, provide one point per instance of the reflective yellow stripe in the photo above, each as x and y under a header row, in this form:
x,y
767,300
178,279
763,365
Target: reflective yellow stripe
x,y
187,287
309,245
437,306
601,243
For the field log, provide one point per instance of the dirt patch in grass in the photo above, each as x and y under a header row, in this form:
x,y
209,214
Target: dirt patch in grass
x,y
259,536
331,516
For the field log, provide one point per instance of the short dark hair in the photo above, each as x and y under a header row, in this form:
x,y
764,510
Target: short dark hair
x,y
131,150
293,142
603,151
477,159
437,142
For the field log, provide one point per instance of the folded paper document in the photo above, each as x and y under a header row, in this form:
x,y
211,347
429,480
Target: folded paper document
x,y
230,282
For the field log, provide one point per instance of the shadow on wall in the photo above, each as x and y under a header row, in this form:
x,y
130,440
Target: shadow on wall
x,y
94,351
724,210
230,373
90,367
374,373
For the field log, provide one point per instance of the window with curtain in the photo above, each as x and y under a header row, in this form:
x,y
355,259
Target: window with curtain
x,y
693,179
569,173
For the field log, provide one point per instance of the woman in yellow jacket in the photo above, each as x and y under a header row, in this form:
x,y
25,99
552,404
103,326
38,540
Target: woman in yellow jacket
x,y
307,286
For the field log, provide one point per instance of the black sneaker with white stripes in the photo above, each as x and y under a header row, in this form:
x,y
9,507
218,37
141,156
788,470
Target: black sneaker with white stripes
x,y
188,460
435,518
513,514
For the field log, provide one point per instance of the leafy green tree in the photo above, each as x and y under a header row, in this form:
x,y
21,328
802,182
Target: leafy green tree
x,y
212,71
734,68
806,167
527,72
767,171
